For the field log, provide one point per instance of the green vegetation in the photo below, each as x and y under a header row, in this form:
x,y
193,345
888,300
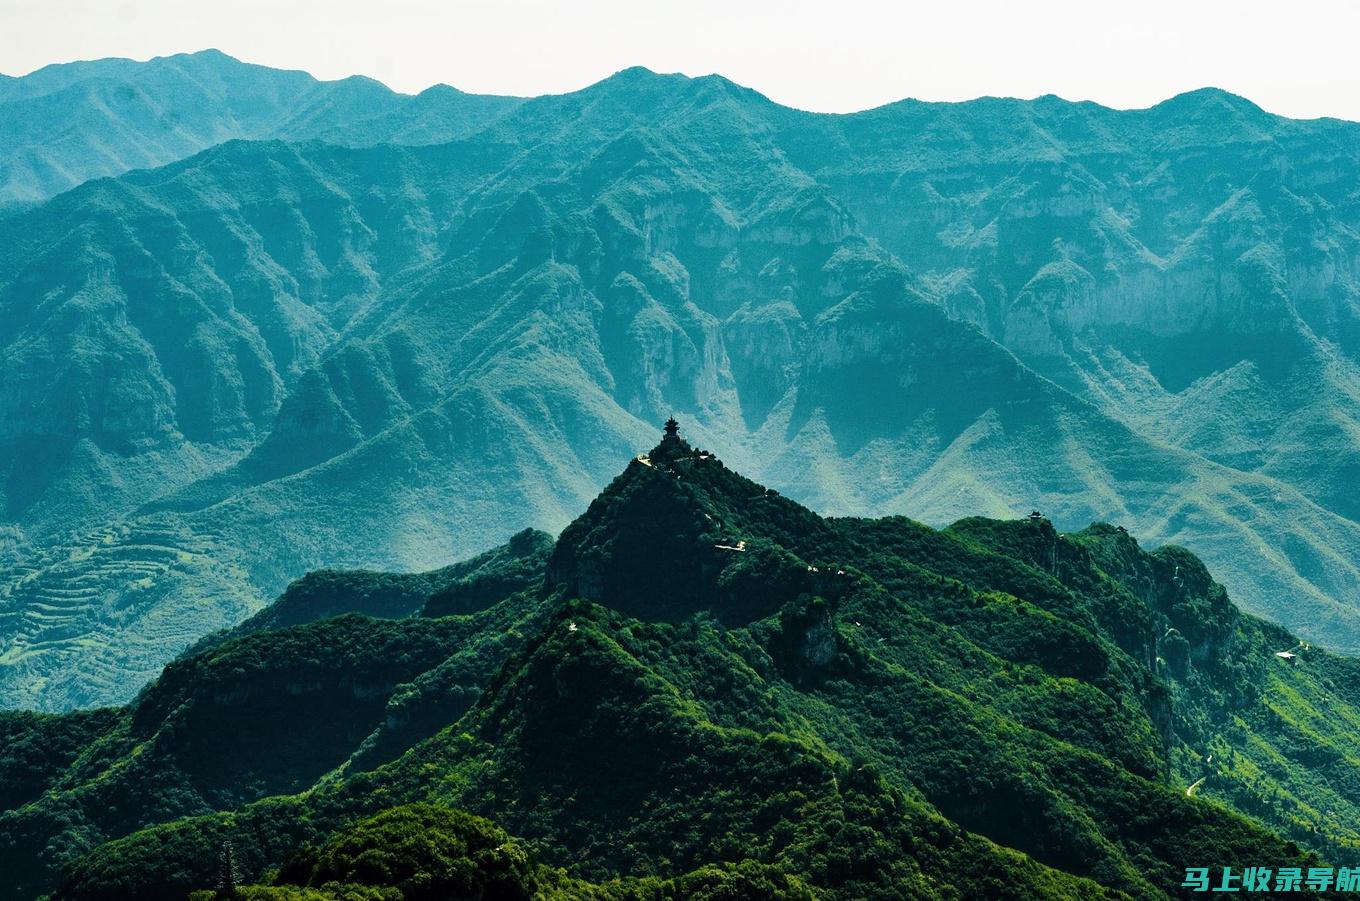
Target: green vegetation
x,y
465,587
703,689
420,851
36,748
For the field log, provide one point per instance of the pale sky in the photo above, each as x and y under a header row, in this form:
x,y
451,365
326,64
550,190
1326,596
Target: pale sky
x,y
1298,58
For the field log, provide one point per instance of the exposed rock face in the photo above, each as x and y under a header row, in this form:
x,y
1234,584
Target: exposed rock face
x,y
819,642
766,346
1166,249
1176,651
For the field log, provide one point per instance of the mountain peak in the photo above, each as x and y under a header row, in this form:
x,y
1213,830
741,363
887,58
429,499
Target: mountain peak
x,y
207,54
1208,99
673,534
638,82
441,90
635,73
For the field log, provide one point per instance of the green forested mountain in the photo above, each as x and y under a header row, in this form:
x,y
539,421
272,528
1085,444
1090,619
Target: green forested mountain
x,y
278,356
704,687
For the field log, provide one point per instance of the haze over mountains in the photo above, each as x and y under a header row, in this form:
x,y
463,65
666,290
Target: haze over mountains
x,y
68,123
447,319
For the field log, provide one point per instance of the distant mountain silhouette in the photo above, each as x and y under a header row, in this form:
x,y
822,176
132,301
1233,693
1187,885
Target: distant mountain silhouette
x,y
68,123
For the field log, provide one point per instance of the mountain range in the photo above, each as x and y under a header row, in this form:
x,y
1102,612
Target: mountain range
x,y
702,689
68,123
388,332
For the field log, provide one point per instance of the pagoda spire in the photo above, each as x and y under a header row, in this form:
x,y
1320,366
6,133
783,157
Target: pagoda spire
x,y
672,431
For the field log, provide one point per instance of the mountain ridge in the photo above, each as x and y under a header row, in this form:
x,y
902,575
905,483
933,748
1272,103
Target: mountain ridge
x,y
905,312
70,122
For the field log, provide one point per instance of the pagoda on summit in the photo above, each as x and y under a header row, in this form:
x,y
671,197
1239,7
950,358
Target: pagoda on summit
x,y
672,446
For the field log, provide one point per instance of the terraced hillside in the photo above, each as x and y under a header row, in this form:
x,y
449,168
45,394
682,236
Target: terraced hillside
x,y
72,600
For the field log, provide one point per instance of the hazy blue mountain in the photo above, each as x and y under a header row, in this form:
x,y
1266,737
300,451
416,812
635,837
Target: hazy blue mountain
x,y
67,123
276,357
1190,268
